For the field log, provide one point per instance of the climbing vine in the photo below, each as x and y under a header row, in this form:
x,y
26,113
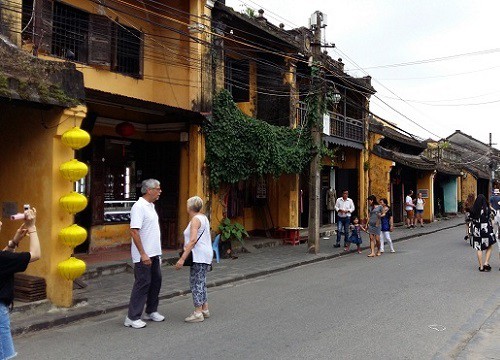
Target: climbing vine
x,y
239,146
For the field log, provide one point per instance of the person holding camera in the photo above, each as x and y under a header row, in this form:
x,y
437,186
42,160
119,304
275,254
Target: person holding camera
x,y
12,262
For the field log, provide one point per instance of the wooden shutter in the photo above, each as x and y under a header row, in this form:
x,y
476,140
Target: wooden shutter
x,y
43,26
99,40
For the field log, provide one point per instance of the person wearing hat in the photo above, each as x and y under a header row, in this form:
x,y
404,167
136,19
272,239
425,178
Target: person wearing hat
x,y
495,204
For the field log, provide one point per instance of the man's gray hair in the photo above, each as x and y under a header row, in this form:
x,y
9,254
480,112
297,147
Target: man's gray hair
x,y
195,203
149,184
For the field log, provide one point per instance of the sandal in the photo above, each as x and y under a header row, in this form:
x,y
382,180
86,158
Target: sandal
x,y
482,270
487,267
370,255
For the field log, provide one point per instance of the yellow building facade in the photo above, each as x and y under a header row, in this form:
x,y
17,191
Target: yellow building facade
x,y
147,78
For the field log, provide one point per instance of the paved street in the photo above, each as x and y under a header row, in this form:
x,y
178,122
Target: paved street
x,y
426,299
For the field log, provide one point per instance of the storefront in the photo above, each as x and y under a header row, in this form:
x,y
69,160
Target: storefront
x,y
133,140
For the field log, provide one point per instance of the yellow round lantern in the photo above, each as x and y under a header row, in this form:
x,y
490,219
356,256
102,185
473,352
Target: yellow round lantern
x,y
73,235
73,170
73,202
75,138
72,268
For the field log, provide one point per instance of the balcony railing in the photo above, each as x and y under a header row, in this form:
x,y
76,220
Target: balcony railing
x,y
347,128
342,127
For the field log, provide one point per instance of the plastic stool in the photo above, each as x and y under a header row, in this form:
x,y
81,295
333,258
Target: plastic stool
x,y
215,247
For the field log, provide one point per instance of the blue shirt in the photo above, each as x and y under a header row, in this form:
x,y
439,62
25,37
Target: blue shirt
x,y
494,199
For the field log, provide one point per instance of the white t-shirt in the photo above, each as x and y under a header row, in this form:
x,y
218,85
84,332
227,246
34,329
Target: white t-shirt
x,y
420,204
202,251
408,200
143,216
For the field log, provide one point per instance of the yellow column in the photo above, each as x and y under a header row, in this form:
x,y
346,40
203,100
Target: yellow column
x,y
60,290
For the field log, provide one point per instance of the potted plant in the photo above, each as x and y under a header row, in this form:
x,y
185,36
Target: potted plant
x,y
229,232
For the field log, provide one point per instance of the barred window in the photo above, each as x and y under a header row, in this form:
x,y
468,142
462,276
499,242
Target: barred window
x,y
128,51
70,32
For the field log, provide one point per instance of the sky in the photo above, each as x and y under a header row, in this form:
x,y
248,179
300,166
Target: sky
x,y
431,99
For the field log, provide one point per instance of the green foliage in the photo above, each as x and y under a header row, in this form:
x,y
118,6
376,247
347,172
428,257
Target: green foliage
x,y
232,231
249,12
239,146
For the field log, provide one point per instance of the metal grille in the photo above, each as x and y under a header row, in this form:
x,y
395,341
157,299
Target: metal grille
x,y
70,33
128,51
27,20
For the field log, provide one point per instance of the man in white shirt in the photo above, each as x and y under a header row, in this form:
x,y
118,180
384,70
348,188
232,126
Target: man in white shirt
x,y
344,207
146,255
409,208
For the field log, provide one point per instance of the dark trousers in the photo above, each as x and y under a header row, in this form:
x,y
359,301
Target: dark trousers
x,y
343,227
146,288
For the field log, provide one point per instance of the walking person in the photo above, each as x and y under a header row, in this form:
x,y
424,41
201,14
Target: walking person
x,y
483,237
355,237
469,202
495,205
410,210
419,209
146,255
386,225
375,212
197,241
344,207
11,263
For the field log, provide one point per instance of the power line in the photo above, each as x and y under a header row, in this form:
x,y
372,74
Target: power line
x,y
442,58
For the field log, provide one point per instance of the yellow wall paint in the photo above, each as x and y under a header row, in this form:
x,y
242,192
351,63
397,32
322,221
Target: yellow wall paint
x,y
109,236
469,186
426,182
32,153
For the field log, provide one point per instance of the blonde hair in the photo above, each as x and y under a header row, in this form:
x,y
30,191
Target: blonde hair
x,y
195,203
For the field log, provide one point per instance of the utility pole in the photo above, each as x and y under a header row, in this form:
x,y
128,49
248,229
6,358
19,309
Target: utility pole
x,y
316,133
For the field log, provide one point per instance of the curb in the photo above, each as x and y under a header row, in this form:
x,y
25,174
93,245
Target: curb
x,y
44,325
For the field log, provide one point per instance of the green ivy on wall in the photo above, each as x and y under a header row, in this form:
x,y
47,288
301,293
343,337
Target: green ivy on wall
x,y
239,146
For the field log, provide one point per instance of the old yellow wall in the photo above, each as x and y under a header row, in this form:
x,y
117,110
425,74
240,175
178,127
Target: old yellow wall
x,y
426,182
469,186
250,108
171,68
32,153
193,180
379,175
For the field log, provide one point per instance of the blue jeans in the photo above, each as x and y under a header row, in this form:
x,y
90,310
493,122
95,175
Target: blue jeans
x,y
6,344
343,227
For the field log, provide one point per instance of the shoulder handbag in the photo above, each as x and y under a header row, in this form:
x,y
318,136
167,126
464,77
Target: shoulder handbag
x,y
189,258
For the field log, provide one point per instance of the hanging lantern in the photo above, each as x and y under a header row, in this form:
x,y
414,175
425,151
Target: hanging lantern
x,y
73,235
76,138
73,170
72,268
125,129
73,202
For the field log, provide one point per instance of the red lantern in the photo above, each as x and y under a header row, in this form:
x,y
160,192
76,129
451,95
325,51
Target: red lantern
x,y
125,129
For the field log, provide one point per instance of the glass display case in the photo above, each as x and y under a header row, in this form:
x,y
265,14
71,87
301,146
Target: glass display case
x,y
117,211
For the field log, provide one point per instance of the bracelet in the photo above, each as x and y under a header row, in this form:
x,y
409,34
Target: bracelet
x,y
11,244
31,232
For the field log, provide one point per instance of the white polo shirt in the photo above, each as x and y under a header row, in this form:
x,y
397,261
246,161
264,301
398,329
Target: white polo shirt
x,y
143,216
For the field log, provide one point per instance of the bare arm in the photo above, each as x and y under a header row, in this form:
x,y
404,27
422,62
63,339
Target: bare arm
x,y
193,237
28,227
136,238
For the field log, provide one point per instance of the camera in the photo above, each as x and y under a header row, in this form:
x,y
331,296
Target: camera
x,y
20,216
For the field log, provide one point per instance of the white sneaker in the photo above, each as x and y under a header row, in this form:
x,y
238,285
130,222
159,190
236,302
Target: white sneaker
x,y
393,251
206,313
136,324
154,316
194,317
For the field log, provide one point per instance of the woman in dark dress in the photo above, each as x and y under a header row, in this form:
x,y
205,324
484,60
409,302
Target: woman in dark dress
x,y
483,236
11,263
